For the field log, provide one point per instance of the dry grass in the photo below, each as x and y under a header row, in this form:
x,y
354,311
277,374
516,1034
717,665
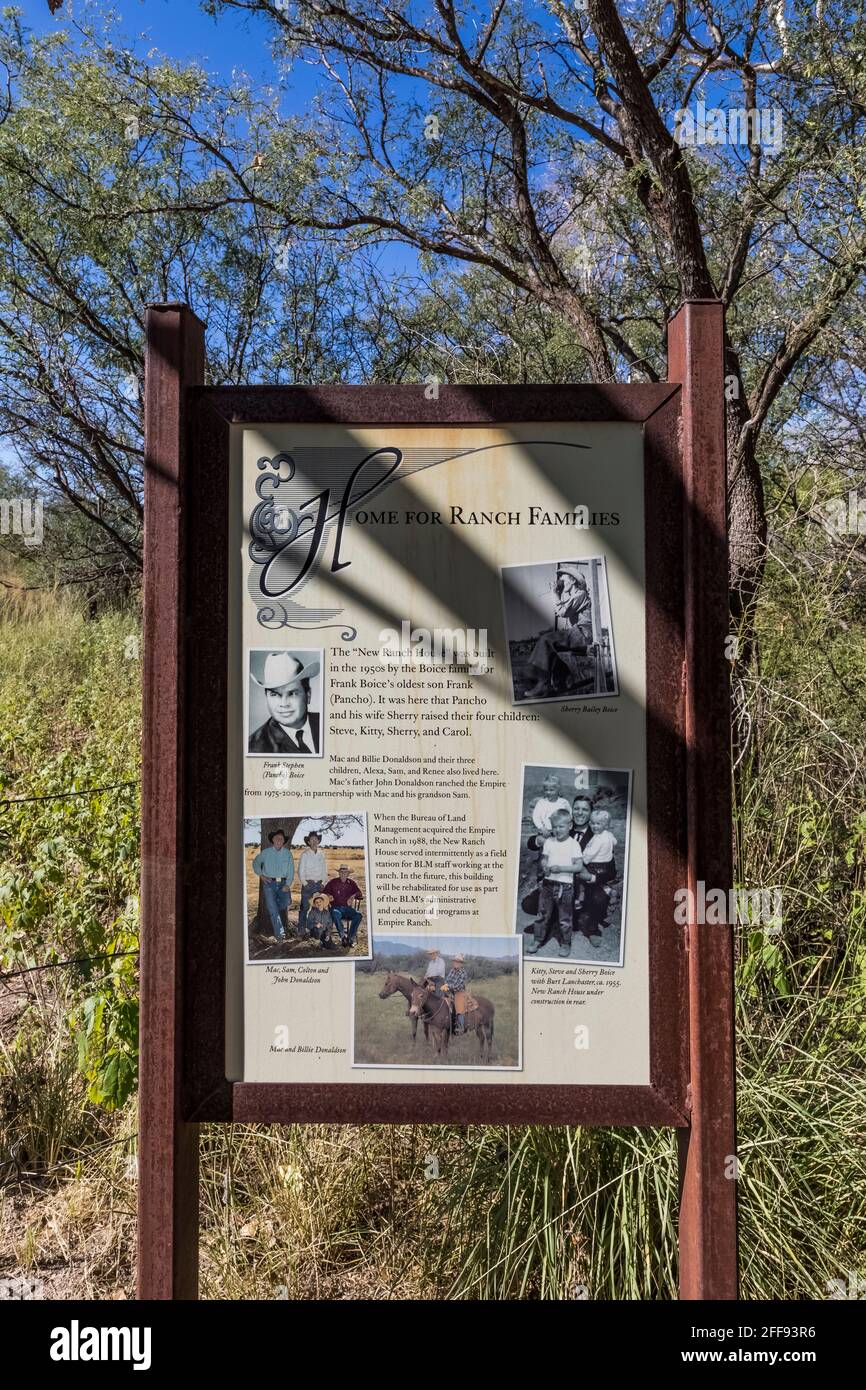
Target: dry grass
x,y
422,1212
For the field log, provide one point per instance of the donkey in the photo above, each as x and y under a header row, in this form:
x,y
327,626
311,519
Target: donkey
x,y
404,984
434,1010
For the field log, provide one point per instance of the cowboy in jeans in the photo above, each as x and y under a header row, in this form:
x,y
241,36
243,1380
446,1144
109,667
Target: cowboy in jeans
x,y
275,869
311,875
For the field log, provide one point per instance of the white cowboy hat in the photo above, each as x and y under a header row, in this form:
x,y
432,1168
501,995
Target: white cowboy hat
x,y
572,569
281,668
459,957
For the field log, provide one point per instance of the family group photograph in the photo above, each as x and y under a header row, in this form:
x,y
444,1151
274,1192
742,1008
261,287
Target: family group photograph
x,y
573,863
305,881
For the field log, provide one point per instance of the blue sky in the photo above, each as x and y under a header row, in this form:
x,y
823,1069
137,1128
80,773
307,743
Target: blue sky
x,y
181,29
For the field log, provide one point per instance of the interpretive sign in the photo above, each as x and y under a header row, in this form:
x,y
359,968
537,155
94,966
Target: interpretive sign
x,y
435,676
437,858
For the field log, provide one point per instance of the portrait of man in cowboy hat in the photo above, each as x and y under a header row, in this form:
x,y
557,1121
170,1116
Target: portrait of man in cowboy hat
x,y
281,686
558,626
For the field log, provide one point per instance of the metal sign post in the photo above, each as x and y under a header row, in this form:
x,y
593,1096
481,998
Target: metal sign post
x,y
708,1202
168,1145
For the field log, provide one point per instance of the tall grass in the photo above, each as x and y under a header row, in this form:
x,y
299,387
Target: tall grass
x,y
432,1211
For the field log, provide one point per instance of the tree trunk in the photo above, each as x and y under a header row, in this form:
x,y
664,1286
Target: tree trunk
x,y
747,522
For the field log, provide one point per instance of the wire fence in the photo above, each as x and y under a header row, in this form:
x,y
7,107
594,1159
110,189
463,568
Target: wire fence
x,y
58,964
20,1174
17,1173
66,796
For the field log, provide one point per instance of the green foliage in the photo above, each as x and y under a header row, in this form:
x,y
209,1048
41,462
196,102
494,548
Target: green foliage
x,y
515,1213
69,723
95,221
539,1213
42,1110
109,205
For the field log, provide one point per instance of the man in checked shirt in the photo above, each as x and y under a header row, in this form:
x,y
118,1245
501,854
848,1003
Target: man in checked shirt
x,y
456,982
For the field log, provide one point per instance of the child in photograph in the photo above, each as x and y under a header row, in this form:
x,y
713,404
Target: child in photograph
x,y
599,850
598,857
311,874
561,859
551,800
319,920
332,922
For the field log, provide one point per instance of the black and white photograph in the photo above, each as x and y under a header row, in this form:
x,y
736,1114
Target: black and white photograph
x,y
573,857
284,703
307,887
558,630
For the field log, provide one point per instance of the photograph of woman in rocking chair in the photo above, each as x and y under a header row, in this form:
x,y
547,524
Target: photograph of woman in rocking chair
x,y
558,629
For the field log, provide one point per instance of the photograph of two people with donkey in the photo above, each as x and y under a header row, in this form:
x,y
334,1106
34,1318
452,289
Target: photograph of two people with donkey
x,y
306,888
574,833
439,1001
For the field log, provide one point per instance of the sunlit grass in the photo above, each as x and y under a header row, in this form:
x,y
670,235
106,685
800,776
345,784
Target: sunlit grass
x,y
433,1211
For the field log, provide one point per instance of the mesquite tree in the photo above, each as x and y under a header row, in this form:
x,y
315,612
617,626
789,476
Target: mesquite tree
x,y
556,176
574,151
